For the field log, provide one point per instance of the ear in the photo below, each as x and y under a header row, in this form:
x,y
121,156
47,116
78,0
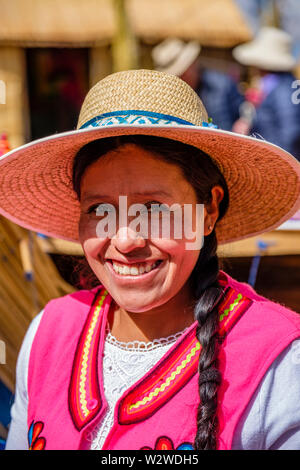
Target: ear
x,y
211,213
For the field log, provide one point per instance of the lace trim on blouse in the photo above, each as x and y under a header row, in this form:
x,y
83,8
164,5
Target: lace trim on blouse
x,y
142,346
123,365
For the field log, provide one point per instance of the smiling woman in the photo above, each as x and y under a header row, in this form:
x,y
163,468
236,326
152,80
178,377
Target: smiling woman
x,y
167,350
162,287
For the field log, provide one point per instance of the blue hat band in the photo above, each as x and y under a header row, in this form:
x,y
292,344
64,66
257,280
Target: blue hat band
x,y
136,117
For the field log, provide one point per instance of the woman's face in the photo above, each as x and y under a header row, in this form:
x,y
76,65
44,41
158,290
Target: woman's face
x,y
139,272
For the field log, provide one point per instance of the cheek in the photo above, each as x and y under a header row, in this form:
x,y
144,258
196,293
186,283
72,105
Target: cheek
x,y
82,229
93,247
91,244
181,260
86,228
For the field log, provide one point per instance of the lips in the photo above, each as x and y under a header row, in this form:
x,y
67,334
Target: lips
x,y
133,269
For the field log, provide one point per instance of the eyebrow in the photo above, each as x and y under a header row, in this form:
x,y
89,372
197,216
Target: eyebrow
x,y
91,196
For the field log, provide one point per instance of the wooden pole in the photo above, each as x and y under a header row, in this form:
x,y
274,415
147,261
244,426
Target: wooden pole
x,y
14,111
270,15
100,63
124,44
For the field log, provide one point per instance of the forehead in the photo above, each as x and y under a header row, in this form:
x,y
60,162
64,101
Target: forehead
x,y
133,170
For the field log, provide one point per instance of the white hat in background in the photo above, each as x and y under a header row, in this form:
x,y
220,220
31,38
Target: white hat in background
x,y
175,56
270,50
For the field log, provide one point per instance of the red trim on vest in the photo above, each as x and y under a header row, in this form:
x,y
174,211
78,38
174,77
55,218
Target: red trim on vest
x,y
157,386
179,366
163,382
84,394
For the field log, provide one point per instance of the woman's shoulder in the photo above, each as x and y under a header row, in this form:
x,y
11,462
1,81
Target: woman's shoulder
x,y
68,312
260,303
271,419
78,301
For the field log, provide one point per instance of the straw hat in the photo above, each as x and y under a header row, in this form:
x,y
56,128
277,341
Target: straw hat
x,y
35,179
270,50
175,56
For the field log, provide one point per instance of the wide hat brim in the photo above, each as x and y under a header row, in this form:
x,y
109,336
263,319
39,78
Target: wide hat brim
x,y
263,179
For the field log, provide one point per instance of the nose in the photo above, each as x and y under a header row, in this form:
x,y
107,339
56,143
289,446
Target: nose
x,y
127,240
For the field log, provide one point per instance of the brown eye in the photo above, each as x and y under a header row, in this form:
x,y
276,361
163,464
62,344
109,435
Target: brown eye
x,y
104,207
92,208
155,206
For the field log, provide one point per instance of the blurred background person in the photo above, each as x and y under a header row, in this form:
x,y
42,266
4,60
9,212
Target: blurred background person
x,y
217,90
268,109
280,13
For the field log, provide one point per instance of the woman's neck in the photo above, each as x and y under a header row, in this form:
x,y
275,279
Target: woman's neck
x,y
160,322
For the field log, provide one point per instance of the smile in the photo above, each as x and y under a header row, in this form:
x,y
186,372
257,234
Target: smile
x,y
136,269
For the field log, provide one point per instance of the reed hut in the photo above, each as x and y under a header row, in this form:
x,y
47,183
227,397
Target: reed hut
x,y
95,37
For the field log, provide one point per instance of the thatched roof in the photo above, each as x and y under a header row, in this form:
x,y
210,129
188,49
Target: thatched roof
x,y
214,23
90,22
55,21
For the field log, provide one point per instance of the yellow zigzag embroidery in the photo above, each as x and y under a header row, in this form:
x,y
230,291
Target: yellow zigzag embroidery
x,y
169,379
86,349
231,307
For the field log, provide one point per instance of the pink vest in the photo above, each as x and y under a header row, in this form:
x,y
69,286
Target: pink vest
x,y
65,386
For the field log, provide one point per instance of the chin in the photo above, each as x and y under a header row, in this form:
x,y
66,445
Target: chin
x,y
137,303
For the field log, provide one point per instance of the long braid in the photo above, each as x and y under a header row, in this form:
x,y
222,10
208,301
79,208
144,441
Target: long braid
x,y
208,292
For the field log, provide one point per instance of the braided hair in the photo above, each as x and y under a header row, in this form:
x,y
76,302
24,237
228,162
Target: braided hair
x,y
206,313
203,174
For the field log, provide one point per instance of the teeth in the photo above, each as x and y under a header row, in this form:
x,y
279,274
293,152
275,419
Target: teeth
x,y
134,270
126,270
116,268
